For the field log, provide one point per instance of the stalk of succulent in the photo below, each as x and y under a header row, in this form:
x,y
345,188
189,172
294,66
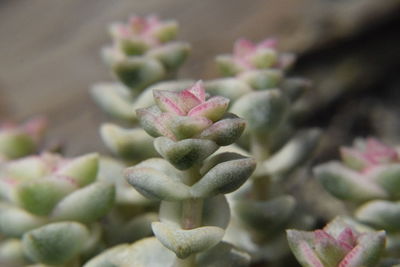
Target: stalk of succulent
x,y
53,204
190,184
21,140
265,97
144,51
337,244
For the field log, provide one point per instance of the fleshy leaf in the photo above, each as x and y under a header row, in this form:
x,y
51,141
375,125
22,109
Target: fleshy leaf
x,y
186,242
55,243
368,251
83,169
262,79
346,184
40,196
231,88
380,214
268,216
133,144
171,55
224,177
295,152
300,244
14,222
263,111
184,154
155,184
114,99
139,72
225,131
213,109
168,101
86,205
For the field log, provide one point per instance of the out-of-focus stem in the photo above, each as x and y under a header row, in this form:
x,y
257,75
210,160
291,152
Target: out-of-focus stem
x,y
259,148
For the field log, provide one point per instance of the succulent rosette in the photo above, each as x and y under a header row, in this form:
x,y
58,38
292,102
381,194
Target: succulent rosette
x,y
337,244
369,176
21,140
144,51
188,118
50,205
369,170
259,65
189,127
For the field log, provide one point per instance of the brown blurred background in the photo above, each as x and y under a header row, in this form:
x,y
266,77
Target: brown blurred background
x,y
49,57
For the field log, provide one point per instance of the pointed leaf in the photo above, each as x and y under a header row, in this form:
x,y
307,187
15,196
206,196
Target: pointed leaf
x,y
300,244
380,214
155,184
55,243
138,72
14,222
171,55
187,242
83,169
40,196
263,111
184,154
345,184
213,109
86,205
231,88
133,144
368,251
294,153
225,131
262,79
114,99
224,178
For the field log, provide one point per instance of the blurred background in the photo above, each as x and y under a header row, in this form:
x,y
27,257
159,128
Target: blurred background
x,y
49,57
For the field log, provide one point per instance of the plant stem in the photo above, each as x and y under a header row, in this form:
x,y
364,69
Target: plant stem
x,y
259,148
192,210
188,262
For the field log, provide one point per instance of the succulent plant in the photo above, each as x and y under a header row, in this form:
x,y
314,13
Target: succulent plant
x,y
263,95
370,170
144,51
20,140
50,205
189,128
369,177
337,244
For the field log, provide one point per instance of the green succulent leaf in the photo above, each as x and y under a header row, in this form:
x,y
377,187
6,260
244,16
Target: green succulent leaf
x,y
86,205
55,243
186,153
186,242
224,178
155,184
